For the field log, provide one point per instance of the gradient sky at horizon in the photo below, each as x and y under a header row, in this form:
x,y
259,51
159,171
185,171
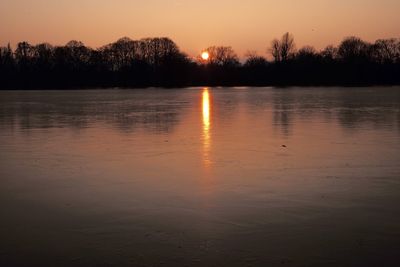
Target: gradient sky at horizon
x,y
195,25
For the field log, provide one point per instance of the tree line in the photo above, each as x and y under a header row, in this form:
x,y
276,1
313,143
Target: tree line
x,y
160,62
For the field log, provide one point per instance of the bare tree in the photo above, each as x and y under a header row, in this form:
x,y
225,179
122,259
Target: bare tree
x,y
354,49
282,50
307,53
157,51
79,54
329,53
222,56
254,60
287,46
44,55
276,50
24,52
6,56
386,50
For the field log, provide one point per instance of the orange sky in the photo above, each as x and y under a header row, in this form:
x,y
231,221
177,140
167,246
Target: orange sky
x,y
197,24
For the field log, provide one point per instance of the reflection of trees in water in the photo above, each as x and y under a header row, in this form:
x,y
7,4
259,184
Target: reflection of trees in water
x,y
368,107
225,105
282,119
352,108
353,118
154,112
159,111
398,120
276,101
153,118
283,104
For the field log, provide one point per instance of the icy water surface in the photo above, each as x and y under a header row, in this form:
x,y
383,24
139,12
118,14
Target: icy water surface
x,y
200,177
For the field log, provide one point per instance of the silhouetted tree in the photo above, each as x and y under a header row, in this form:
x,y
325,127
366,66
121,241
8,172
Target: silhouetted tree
x,y
43,55
386,50
24,54
275,50
222,56
282,50
159,62
6,57
120,54
307,53
253,60
7,65
329,53
254,69
353,49
78,54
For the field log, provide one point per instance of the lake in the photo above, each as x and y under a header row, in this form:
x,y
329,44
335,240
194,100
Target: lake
x,y
200,177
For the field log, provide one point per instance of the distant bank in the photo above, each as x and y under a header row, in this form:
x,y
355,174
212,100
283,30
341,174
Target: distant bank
x,y
159,62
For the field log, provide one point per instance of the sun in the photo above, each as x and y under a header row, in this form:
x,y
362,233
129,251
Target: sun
x,y
205,55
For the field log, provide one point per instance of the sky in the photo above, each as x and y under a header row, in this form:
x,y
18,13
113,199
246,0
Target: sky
x,y
246,25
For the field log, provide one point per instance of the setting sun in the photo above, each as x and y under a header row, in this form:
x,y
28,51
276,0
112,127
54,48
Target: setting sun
x,y
205,55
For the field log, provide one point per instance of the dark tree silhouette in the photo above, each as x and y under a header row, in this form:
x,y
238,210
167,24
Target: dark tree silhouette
x,y
159,62
24,54
353,49
306,52
222,56
120,54
6,57
7,65
43,55
329,54
387,50
253,60
282,50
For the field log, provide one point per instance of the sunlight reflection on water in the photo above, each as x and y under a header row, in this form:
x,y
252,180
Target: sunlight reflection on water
x,y
206,112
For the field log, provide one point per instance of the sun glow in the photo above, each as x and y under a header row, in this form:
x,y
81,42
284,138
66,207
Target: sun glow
x,y
205,55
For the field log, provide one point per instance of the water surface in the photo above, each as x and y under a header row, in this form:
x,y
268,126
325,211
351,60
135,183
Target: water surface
x,y
200,177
